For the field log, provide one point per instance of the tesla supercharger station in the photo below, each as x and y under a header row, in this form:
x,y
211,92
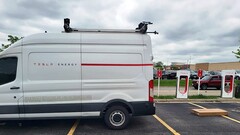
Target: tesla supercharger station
x,y
227,83
182,74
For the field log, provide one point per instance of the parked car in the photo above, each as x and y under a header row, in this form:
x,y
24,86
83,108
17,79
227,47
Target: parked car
x,y
209,81
166,74
193,75
237,75
171,74
214,72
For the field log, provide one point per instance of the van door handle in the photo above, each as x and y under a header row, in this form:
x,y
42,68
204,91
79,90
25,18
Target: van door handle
x,y
14,88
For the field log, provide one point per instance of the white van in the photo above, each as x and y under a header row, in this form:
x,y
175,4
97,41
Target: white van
x,y
76,74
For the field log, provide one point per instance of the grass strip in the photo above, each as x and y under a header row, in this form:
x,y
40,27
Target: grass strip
x,y
171,83
164,97
200,96
189,97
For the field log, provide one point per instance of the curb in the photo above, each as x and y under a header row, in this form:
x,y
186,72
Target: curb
x,y
219,100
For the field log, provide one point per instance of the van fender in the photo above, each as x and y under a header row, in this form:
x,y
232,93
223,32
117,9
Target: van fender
x,y
117,102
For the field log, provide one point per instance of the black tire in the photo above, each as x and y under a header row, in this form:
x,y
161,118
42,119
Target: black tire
x,y
117,117
204,86
195,88
218,88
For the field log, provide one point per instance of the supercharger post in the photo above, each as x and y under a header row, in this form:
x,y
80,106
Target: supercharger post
x,y
186,75
159,74
227,84
199,76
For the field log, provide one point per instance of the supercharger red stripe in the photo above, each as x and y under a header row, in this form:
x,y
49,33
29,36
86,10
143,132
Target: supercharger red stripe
x,y
186,86
231,85
96,64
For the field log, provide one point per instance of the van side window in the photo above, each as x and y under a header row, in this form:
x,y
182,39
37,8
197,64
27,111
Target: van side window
x,y
8,69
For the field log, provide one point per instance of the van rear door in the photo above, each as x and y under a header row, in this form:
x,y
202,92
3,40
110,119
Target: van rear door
x,y
10,86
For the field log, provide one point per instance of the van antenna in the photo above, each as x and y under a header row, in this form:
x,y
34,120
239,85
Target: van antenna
x,y
143,26
66,25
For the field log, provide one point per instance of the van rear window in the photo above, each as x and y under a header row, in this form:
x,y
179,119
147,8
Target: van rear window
x,y
8,69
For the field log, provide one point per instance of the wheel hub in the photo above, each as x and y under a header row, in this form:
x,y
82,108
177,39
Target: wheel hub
x,y
117,118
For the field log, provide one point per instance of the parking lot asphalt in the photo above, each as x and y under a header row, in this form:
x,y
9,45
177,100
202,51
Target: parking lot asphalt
x,y
36,127
233,109
170,118
179,116
138,126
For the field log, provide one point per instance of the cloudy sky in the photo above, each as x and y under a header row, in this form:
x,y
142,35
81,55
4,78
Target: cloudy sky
x,y
190,31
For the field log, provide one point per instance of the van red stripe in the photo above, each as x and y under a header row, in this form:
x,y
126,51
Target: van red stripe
x,y
93,64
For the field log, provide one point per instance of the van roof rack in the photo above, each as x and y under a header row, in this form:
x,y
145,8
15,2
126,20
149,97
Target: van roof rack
x,y
142,28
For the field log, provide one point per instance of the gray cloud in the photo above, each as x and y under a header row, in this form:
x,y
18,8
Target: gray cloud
x,y
203,30
25,9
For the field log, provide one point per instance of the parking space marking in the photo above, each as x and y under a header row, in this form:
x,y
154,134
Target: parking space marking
x,y
197,105
232,119
72,130
166,125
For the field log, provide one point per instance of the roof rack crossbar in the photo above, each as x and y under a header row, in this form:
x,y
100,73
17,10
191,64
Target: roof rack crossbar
x,y
142,28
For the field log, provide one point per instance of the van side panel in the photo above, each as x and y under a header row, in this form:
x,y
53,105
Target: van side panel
x,y
52,79
113,69
112,76
78,74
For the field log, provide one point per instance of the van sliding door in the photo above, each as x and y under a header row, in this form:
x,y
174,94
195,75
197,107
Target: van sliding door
x,y
52,78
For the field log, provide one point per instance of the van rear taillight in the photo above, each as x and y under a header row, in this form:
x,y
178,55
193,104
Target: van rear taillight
x,y
150,89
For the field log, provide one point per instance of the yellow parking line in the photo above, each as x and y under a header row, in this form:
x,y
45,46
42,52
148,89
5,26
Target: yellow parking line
x,y
166,125
197,105
232,119
72,130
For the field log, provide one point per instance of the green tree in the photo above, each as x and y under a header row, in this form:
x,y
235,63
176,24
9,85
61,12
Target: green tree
x,y
1,48
159,65
12,39
237,53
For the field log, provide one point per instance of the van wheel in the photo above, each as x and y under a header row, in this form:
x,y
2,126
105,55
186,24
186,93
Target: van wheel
x,y
116,117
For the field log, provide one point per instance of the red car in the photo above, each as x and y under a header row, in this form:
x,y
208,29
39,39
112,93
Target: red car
x,y
210,81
